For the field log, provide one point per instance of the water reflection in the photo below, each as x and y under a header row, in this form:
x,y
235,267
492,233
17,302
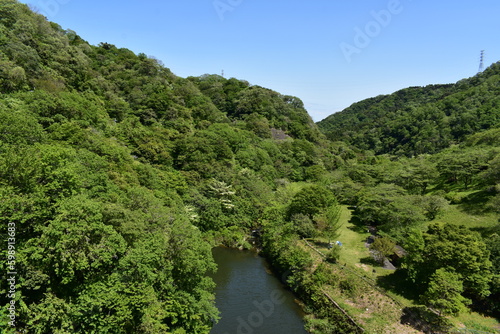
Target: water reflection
x,y
250,299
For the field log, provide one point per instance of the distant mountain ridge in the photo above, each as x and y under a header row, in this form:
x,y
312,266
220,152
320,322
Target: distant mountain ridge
x,y
117,178
420,120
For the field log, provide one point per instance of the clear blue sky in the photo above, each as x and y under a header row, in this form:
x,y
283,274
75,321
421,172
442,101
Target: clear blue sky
x,y
329,53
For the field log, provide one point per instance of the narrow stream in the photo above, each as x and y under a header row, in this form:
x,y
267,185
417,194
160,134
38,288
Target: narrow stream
x,y
251,300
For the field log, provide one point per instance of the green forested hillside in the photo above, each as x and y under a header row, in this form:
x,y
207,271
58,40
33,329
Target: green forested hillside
x,y
117,177
428,180
420,120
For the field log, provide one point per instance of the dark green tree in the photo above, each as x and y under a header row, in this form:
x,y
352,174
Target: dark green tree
x,y
311,200
444,293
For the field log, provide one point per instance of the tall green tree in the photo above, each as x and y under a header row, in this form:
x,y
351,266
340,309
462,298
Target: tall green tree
x,y
444,293
311,200
382,248
454,248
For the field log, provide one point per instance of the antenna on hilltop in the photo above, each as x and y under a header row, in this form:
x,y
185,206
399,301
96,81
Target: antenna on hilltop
x,y
481,64
223,73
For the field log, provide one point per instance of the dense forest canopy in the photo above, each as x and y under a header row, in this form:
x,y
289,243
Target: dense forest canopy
x,y
117,177
111,170
420,120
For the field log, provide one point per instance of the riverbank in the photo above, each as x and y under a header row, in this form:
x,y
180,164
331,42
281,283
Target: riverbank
x,y
353,295
379,299
327,291
320,313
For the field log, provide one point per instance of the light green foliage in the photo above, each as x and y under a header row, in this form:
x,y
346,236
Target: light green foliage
x,y
450,246
211,151
311,200
313,210
419,120
433,205
484,138
292,261
53,170
153,144
314,173
417,174
494,204
333,254
254,194
116,172
444,293
212,215
223,192
460,166
382,248
344,188
415,247
50,314
320,326
12,77
389,207
492,174
332,222
493,245
258,124
304,225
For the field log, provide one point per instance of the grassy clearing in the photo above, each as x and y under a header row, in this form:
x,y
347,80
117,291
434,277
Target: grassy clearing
x,y
476,322
371,308
353,238
376,311
457,214
354,252
352,286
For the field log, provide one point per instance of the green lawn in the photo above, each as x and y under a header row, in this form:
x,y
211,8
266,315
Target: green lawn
x,y
477,323
456,214
355,254
353,237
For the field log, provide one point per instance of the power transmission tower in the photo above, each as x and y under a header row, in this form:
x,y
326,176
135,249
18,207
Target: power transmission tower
x,y
481,64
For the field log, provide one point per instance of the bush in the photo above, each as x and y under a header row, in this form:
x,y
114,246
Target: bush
x,y
348,287
333,254
304,225
455,198
382,248
494,204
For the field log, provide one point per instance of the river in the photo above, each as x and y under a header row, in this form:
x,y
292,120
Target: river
x,y
251,300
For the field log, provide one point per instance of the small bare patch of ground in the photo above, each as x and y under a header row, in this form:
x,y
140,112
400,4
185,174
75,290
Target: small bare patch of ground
x,y
362,266
401,329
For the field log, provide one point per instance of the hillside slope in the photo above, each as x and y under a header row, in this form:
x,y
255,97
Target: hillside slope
x,y
420,120
117,177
